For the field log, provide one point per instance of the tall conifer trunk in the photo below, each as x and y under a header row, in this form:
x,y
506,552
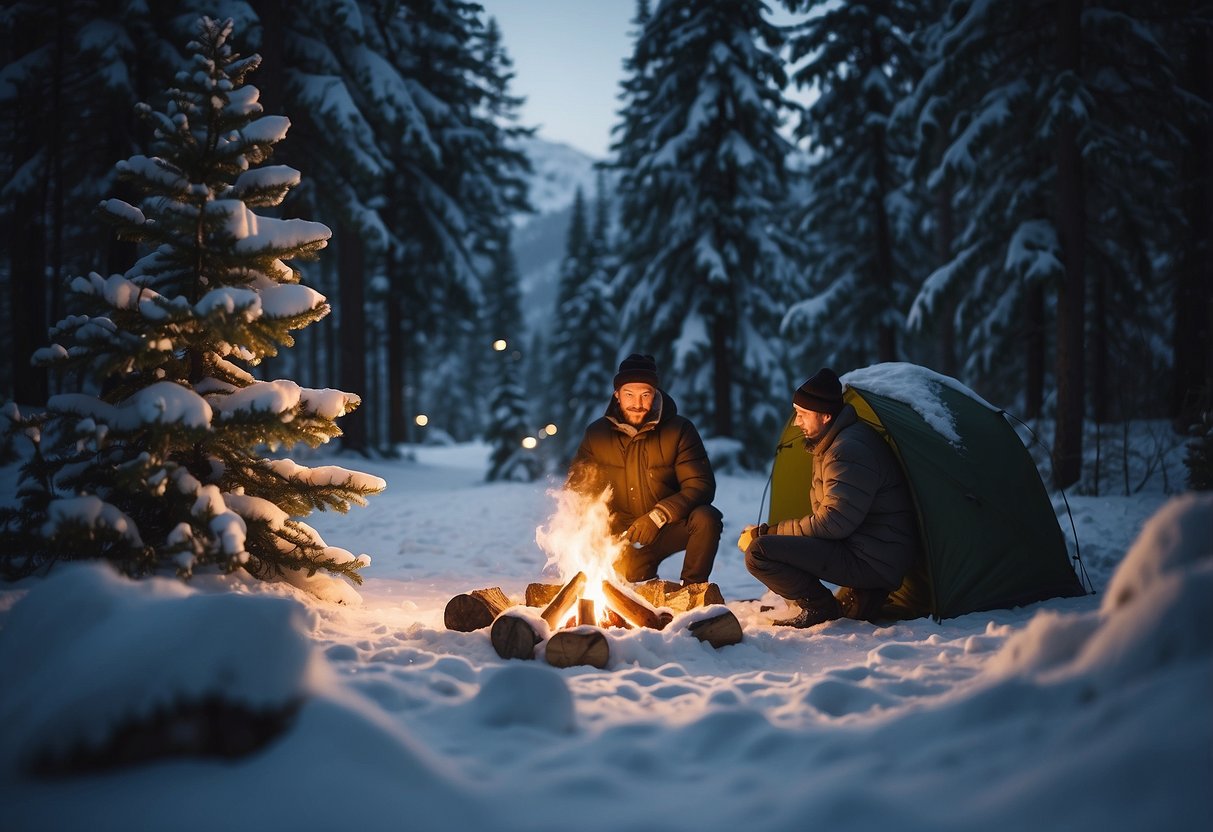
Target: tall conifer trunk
x,y
1034,360
397,350
722,373
1192,333
1071,297
945,232
886,345
350,265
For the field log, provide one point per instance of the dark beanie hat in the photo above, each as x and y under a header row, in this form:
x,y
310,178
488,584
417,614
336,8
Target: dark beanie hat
x,y
822,393
636,369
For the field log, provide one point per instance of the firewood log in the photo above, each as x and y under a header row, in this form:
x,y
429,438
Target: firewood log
x,y
558,608
575,647
677,597
540,595
654,591
514,637
719,630
475,609
634,610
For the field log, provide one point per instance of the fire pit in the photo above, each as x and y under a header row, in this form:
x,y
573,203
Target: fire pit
x,y
577,613
577,623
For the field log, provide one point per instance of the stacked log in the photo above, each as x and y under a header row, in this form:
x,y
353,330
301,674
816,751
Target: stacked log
x,y
679,597
476,609
634,610
515,636
583,645
558,608
719,630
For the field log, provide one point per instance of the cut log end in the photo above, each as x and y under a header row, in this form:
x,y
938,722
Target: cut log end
x,y
475,610
578,647
513,637
719,630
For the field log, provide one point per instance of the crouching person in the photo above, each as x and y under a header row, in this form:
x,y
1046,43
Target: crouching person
x,y
862,534
661,481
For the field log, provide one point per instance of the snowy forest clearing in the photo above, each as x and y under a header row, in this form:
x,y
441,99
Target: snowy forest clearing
x,y
1073,713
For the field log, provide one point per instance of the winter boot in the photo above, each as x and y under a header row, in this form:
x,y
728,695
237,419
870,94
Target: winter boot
x,y
861,604
812,613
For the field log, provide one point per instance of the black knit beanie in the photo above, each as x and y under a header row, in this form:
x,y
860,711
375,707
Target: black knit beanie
x,y
822,393
637,369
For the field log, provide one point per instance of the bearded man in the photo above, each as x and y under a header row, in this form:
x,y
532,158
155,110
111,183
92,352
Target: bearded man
x,y
659,474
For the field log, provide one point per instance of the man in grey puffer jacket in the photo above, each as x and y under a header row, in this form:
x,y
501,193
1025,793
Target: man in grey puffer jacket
x,y
862,533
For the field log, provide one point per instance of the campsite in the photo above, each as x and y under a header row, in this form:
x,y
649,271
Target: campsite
x,y
371,458
1067,713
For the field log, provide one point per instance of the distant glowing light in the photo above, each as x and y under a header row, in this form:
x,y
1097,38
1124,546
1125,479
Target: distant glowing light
x,y
500,344
530,442
422,420
550,429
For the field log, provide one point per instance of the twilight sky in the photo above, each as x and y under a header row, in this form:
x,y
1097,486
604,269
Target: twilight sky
x,y
568,61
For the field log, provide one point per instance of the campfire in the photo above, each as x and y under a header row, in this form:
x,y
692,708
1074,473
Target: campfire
x,y
570,619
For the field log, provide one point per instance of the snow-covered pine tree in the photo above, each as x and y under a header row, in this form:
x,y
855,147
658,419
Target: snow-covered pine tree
x,y
1062,119
857,55
705,268
589,323
335,85
168,470
453,177
71,72
509,417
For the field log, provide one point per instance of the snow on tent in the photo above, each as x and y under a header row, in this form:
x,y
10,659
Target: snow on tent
x,y
990,536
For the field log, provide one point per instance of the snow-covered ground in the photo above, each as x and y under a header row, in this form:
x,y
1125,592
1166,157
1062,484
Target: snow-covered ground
x,y
1079,714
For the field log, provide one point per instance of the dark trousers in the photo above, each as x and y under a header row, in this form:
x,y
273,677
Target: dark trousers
x,y
795,566
698,534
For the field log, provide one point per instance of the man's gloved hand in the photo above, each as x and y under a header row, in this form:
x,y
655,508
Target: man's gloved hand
x,y
749,533
643,531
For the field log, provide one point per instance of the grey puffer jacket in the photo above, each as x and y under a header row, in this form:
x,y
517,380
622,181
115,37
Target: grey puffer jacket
x,y
660,463
860,496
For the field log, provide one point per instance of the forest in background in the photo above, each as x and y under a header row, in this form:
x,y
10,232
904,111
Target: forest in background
x,y
1014,194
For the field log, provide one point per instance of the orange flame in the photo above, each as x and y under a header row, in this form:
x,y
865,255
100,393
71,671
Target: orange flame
x,y
577,538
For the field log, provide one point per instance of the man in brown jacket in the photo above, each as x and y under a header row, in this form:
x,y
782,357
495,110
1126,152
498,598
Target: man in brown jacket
x,y
658,471
862,533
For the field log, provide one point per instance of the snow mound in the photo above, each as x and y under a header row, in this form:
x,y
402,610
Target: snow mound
x,y
526,694
1154,616
88,651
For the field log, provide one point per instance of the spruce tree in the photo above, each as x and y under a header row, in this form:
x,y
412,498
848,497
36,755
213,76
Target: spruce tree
x,y
705,269
858,55
589,317
509,417
172,467
1063,121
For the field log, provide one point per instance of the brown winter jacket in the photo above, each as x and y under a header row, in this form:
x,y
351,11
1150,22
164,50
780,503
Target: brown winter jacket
x,y
661,463
860,496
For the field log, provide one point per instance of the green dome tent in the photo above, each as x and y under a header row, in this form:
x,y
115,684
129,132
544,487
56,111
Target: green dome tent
x,y
990,536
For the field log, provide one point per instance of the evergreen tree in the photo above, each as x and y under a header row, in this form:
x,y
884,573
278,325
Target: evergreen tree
x,y
72,72
705,270
453,177
168,468
509,418
585,340
1061,119
860,223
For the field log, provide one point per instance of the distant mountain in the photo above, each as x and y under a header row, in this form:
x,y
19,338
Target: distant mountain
x,y
558,170
539,238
